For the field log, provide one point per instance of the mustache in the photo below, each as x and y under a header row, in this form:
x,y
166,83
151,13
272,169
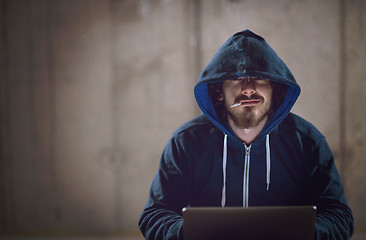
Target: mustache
x,y
246,98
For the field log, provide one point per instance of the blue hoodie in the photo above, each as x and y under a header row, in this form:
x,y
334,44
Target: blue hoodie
x,y
206,164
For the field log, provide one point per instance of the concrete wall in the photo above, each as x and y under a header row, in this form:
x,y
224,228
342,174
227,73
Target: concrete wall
x,y
91,91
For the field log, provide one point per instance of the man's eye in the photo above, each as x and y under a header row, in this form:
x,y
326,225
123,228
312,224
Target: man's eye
x,y
262,81
235,82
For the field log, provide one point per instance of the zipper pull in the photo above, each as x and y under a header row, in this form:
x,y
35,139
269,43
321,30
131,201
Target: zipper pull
x,y
247,149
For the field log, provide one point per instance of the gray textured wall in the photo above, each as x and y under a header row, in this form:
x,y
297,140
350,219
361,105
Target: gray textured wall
x,y
91,91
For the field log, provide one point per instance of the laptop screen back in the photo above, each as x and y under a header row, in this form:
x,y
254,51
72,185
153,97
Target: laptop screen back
x,y
263,223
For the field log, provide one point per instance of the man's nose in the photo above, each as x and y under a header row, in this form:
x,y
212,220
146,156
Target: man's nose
x,y
248,87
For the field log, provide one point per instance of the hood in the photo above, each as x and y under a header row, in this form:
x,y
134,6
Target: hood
x,y
246,54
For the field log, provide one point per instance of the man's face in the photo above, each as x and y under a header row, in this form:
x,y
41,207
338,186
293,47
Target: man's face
x,y
252,98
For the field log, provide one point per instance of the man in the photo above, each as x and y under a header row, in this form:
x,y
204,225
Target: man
x,y
247,149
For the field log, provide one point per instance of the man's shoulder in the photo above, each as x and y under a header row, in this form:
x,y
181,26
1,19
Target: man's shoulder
x,y
297,124
200,125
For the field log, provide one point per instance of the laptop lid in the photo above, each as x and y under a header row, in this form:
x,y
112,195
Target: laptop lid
x,y
259,223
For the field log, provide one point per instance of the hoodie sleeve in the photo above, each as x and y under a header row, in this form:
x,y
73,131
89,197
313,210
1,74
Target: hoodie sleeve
x,y
169,193
334,217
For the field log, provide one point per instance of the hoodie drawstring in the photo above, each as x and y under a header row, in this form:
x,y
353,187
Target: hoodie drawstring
x,y
268,161
224,162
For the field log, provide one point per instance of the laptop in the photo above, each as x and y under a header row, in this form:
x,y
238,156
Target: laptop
x,y
259,223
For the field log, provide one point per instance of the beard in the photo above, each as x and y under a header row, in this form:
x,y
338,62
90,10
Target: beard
x,y
248,117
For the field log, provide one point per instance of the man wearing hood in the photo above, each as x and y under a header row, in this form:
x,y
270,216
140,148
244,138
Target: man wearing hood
x,y
247,149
